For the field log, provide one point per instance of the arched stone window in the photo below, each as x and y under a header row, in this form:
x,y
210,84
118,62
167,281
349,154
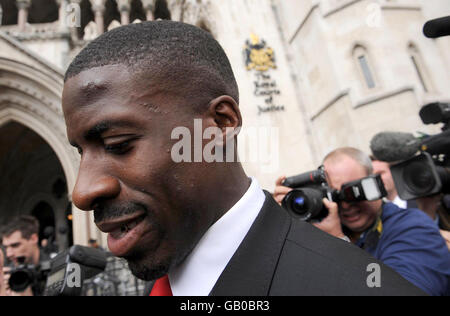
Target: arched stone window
x,y
43,11
44,213
9,12
137,11
111,13
87,16
419,67
364,65
161,10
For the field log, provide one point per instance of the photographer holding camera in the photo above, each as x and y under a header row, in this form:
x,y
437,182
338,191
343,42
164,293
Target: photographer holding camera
x,y
2,277
20,241
407,240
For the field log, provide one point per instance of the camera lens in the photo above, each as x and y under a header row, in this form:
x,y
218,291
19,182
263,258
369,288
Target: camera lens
x,y
20,280
300,206
419,178
305,203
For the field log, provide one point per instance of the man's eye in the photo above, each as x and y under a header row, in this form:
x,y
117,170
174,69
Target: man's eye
x,y
119,148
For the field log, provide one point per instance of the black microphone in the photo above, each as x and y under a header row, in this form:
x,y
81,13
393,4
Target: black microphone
x,y
394,146
437,27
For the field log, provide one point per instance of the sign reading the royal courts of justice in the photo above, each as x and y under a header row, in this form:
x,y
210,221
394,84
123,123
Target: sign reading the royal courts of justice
x,y
260,58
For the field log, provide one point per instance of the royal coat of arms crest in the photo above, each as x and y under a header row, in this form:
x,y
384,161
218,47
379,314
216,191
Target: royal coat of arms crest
x,y
257,55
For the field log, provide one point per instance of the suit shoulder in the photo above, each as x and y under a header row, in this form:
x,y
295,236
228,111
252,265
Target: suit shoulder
x,y
315,263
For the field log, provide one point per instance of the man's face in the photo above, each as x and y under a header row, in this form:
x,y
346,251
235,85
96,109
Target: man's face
x,y
357,216
148,204
18,247
382,168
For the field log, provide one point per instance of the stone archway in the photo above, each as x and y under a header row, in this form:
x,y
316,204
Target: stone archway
x,y
29,168
31,98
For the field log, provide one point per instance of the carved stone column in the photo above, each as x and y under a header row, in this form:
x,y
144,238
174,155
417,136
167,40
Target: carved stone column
x,y
124,7
98,6
75,5
176,8
149,7
22,17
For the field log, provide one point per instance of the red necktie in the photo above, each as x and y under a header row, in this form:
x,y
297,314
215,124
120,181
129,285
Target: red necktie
x,y
161,287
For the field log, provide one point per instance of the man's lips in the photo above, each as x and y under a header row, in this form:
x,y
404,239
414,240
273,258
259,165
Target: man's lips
x,y
108,226
124,233
351,216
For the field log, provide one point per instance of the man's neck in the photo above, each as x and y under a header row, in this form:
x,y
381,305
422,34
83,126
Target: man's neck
x,y
233,185
354,236
36,256
392,195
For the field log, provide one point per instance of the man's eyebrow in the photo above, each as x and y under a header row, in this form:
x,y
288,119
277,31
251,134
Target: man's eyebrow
x,y
98,129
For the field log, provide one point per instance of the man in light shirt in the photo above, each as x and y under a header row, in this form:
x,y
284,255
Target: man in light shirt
x,y
383,169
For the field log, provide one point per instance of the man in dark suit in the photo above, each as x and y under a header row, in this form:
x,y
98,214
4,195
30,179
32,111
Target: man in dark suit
x,y
182,210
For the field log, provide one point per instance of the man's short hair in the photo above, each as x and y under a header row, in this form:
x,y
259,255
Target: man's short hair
x,y
186,57
358,155
27,225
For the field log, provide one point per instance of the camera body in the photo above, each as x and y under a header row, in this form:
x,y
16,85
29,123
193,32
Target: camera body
x,y
26,275
304,202
427,173
71,267
61,276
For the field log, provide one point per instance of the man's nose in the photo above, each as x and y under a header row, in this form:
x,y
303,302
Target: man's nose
x,y
9,253
344,205
91,187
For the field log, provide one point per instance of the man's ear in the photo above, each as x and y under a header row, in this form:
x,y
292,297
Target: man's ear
x,y
225,113
34,238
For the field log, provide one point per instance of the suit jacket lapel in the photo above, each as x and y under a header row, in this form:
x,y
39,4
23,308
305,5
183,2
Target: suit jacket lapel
x,y
250,270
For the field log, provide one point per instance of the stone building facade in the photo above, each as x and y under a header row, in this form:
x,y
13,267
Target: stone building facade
x,y
313,75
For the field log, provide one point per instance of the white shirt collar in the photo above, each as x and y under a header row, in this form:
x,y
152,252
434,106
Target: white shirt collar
x,y
199,272
400,203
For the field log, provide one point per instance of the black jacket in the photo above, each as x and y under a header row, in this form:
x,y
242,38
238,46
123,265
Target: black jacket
x,y
284,256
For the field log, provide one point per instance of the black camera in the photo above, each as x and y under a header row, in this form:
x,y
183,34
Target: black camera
x,y
427,173
310,188
25,275
71,268
305,201
63,275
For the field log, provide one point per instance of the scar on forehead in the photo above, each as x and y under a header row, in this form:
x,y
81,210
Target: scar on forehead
x,y
93,90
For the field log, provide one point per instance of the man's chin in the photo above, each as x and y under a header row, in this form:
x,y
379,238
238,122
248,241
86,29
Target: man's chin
x,y
147,272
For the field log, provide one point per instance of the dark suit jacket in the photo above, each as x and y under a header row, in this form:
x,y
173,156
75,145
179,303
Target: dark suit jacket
x,y
283,256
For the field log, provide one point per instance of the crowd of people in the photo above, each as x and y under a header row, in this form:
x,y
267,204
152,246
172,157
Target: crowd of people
x,y
206,228
403,237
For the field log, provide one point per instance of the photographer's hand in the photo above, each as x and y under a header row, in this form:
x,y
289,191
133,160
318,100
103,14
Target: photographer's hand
x,y
331,224
446,235
6,274
280,190
6,291
2,282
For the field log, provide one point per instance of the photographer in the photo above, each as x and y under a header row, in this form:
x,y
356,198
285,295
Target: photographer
x,y
383,169
405,239
2,277
432,205
20,240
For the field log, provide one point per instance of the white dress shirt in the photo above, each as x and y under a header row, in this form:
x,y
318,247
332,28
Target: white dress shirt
x,y
199,272
400,203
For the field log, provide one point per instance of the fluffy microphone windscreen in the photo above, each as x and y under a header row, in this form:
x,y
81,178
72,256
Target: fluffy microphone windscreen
x,y
393,146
